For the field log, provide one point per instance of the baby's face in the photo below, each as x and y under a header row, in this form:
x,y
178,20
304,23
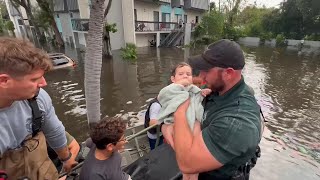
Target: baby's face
x,y
183,74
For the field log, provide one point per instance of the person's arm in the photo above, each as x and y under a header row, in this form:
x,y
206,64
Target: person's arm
x,y
73,146
54,131
221,141
167,132
192,153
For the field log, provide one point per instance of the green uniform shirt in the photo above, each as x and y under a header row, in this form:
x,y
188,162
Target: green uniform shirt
x,y
231,128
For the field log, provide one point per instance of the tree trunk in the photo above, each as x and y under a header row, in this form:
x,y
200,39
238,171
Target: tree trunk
x,y
57,34
106,44
106,35
45,6
93,61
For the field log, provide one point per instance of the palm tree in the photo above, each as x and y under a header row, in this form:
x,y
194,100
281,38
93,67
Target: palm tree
x,y
93,61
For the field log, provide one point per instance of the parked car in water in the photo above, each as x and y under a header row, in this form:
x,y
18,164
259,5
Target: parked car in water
x,y
60,60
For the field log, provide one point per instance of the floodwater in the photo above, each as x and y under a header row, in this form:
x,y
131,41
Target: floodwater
x,y
286,83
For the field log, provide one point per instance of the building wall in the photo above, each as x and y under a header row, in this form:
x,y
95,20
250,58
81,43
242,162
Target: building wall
x,y
58,22
115,16
82,39
191,14
84,8
75,15
142,40
66,26
128,21
145,10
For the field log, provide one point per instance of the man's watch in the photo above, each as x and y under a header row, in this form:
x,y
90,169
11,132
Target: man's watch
x,y
67,158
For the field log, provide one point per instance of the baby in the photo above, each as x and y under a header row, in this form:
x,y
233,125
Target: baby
x,y
181,89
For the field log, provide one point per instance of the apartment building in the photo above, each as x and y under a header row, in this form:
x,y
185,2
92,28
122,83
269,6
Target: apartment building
x,y
20,20
140,21
137,21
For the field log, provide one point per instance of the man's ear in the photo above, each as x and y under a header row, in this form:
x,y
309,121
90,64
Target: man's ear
x,y
110,147
230,73
4,78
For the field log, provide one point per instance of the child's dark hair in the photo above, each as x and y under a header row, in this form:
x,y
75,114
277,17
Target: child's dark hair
x,y
179,65
108,130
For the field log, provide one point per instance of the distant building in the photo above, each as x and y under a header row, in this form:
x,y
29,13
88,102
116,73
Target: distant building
x,y
137,21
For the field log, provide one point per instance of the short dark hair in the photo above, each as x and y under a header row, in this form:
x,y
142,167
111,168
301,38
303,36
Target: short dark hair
x,y
179,65
108,130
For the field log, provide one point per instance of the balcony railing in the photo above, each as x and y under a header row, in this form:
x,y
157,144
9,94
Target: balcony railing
x,y
197,4
145,26
80,24
177,3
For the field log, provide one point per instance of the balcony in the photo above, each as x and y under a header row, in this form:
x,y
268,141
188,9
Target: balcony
x,y
65,5
197,4
177,3
80,24
157,1
150,26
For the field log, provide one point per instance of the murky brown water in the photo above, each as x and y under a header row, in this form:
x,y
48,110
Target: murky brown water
x,y
286,83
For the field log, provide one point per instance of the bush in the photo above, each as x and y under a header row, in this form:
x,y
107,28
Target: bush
x,y
312,37
10,26
265,36
281,40
129,52
233,33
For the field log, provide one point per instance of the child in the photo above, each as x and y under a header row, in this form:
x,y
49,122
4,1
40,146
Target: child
x,y
103,162
150,119
176,93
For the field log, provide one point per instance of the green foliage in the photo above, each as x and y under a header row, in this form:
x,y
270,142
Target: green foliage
x,y
9,26
295,19
265,36
312,37
209,29
111,27
3,11
43,18
129,52
280,40
1,26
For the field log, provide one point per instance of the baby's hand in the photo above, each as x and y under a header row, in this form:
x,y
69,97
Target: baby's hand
x,y
205,92
183,82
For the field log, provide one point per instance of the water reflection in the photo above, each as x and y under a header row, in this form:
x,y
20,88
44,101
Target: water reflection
x,y
285,83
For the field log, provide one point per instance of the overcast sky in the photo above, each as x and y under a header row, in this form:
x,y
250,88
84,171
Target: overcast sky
x,y
267,3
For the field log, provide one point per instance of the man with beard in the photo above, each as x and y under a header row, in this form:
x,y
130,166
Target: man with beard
x,y
27,116
231,127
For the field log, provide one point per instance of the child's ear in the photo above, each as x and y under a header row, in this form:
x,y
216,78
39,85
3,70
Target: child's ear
x,y
172,79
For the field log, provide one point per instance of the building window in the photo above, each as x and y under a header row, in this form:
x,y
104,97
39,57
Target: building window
x,y
57,15
71,15
197,19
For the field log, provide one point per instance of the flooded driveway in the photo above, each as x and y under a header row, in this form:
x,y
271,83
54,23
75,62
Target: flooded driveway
x,y
286,84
